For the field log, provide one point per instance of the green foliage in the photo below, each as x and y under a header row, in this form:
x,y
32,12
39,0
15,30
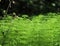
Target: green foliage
x,y
40,31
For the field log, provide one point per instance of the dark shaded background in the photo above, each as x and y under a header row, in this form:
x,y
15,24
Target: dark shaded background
x,y
29,7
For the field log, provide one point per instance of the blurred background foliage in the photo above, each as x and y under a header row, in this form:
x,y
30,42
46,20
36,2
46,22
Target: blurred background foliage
x,y
29,7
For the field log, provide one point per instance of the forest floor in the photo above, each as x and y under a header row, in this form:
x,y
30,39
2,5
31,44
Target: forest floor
x,y
41,30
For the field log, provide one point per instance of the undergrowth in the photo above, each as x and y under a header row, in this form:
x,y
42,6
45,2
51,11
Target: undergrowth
x,y
40,31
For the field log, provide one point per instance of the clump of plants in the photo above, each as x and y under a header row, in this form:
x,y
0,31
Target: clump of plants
x,y
39,31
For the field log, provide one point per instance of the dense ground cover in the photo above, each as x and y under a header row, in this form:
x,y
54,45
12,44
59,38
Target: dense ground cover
x,y
40,31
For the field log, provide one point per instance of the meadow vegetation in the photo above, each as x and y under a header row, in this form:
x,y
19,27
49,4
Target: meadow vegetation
x,y
41,30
